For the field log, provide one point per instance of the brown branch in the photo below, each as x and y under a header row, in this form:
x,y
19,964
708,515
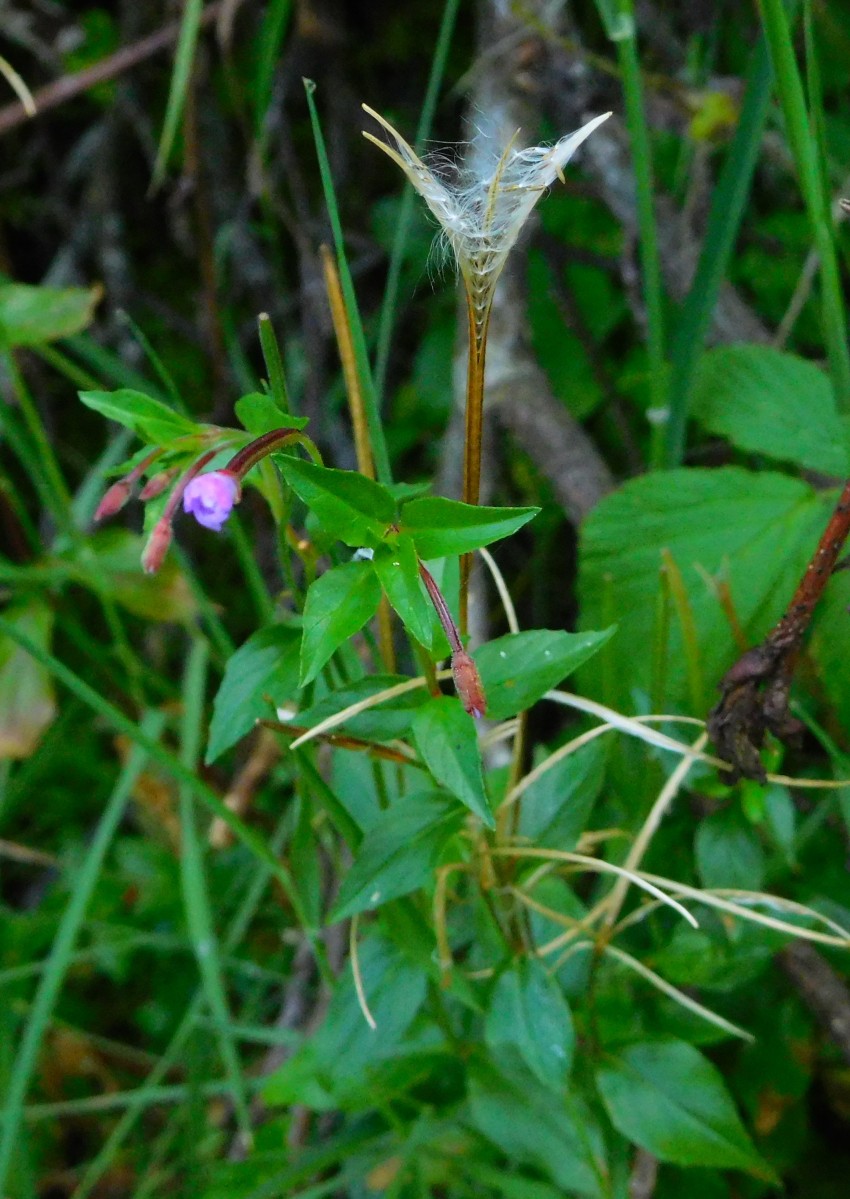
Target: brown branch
x,y
644,1175
755,690
822,991
52,95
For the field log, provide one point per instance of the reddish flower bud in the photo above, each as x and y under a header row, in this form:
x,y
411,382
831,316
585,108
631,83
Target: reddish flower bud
x,y
157,484
157,547
114,500
468,684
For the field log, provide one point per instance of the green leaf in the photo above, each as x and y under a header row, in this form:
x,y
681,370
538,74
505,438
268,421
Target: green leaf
x,y
149,419
27,699
31,316
518,669
338,605
448,742
556,808
755,532
397,568
768,402
528,1014
667,1098
264,669
729,853
532,1125
258,413
398,854
353,508
344,1056
440,526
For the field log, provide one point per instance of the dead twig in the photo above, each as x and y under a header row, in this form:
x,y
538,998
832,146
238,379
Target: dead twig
x,y
822,991
52,95
755,690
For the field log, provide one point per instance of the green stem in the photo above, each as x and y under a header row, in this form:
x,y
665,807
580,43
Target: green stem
x,y
804,148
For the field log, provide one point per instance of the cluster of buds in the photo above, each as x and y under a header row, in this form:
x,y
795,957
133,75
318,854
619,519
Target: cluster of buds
x,y
208,496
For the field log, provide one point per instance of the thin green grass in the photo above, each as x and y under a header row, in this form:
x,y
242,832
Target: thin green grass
x,y
178,771
728,205
184,61
274,363
199,917
58,962
255,883
389,305
802,139
361,354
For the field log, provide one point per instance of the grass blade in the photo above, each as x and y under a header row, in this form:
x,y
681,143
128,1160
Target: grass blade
x,y
184,59
195,894
63,945
389,305
804,147
116,718
728,203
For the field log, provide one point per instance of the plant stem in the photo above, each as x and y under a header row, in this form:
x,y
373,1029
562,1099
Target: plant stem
x,y
473,432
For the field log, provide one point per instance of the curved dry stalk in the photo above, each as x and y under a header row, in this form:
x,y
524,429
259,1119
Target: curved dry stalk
x,y
666,795
715,899
358,977
501,588
597,866
584,738
444,950
674,993
363,705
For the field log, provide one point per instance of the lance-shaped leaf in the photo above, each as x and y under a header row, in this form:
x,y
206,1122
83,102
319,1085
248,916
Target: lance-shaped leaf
x,y
446,738
338,605
351,507
439,526
149,419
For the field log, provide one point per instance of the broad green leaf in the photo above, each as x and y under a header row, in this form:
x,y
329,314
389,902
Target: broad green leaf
x,y
755,532
528,1014
262,672
397,567
338,605
149,419
31,316
448,742
768,402
520,668
344,1057
556,808
27,699
440,526
398,854
669,1099
353,508
728,852
531,1125
258,413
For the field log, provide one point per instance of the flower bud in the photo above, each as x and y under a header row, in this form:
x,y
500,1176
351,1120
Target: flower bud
x,y
114,499
157,484
157,547
468,684
210,498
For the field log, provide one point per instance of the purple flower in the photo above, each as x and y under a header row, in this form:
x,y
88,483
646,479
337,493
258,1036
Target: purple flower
x,y
210,498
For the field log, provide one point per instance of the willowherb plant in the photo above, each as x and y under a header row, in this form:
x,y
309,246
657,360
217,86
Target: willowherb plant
x,y
464,837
